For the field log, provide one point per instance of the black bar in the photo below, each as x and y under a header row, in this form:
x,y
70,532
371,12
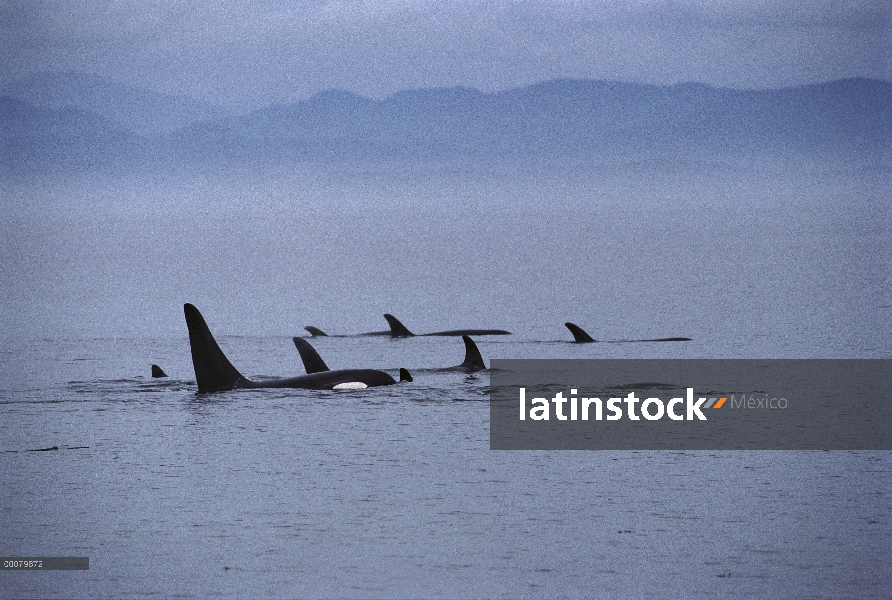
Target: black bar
x,y
44,563
769,404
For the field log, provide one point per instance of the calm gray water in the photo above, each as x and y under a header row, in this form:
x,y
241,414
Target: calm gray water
x,y
393,492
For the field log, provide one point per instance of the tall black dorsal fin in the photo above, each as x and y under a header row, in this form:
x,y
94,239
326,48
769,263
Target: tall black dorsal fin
x,y
213,371
315,331
397,329
473,360
405,375
579,335
158,371
313,363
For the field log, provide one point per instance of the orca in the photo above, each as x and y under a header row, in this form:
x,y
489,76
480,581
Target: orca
x,y
214,372
581,337
397,329
158,371
316,332
313,363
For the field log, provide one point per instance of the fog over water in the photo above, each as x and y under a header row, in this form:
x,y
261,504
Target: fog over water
x,y
635,249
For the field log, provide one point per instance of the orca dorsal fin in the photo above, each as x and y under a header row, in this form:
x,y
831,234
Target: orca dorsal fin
x,y
405,375
473,360
579,336
313,363
213,371
158,371
397,329
315,331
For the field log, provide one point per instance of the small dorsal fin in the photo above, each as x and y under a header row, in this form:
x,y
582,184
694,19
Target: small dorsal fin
x,y
405,375
473,360
315,331
397,329
158,371
580,336
313,363
213,371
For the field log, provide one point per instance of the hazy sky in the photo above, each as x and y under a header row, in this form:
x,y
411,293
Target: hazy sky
x,y
244,54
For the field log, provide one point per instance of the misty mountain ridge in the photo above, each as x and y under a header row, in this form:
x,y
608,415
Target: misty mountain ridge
x,y
138,110
578,119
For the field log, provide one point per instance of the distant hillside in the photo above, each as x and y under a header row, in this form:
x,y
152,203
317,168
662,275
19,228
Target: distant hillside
x,y
561,117
140,111
557,120
40,138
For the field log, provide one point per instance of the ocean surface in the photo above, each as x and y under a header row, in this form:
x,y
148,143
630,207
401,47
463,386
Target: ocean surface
x,y
394,492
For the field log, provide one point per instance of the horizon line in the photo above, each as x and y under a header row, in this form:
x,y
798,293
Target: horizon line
x,y
465,88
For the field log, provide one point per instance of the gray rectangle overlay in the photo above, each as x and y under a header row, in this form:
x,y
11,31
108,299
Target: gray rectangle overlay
x,y
44,563
782,404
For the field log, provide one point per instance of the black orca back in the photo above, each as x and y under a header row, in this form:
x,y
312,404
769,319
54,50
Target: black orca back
x,y
313,363
464,332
